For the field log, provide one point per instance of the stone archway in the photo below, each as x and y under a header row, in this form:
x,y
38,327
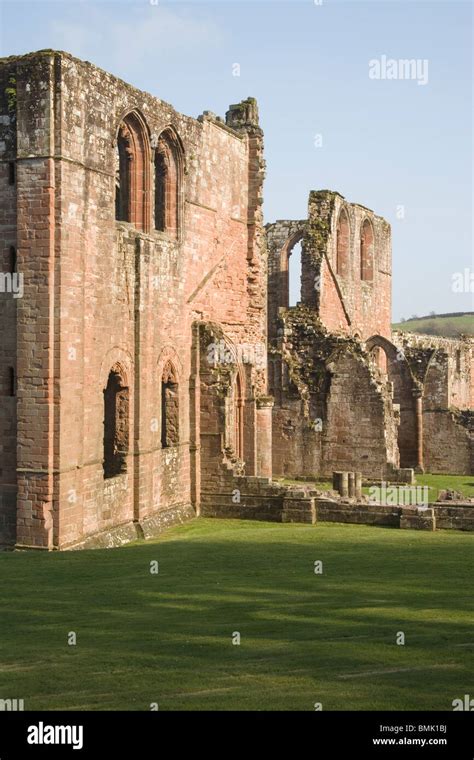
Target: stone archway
x,y
282,237
390,363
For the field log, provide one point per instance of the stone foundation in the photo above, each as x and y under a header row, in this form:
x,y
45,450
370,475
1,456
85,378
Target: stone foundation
x,y
458,517
151,527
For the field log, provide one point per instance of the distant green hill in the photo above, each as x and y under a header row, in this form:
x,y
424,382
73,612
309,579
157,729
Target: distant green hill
x,y
447,325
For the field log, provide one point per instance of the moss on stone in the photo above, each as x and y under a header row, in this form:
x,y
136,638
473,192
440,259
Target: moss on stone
x,y
10,93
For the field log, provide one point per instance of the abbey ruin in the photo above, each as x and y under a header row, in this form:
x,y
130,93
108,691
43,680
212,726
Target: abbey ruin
x,y
152,369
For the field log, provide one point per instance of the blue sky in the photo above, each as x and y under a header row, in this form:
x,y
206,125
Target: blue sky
x,y
385,143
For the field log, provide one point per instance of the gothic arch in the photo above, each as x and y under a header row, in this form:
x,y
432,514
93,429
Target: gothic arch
x,y
343,235
284,280
169,354
120,358
169,178
116,438
238,401
132,171
394,366
367,251
170,405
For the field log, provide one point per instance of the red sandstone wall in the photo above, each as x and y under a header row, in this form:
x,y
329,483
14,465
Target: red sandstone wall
x,y
281,238
120,295
344,300
348,303
448,444
360,432
442,368
332,312
358,426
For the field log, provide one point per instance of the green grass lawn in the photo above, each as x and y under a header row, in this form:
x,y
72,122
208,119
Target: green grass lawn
x,y
305,638
449,326
462,483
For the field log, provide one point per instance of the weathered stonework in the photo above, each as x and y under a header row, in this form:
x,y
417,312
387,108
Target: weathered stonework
x,y
349,288
137,388
443,371
348,394
115,288
331,409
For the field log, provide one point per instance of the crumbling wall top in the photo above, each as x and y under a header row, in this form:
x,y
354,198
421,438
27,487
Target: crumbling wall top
x,y
247,110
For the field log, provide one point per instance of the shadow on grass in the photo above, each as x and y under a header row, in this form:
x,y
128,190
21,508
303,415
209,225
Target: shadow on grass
x,y
172,632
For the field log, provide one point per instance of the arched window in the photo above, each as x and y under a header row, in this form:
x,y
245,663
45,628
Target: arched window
x,y
367,251
132,174
168,171
116,424
342,244
286,283
169,407
378,358
458,361
238,418
294,274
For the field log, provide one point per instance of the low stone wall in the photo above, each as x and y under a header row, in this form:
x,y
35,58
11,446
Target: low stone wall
x,y
245,498
454,517
254,498
329,510
298,507
257,498
417,518
438,516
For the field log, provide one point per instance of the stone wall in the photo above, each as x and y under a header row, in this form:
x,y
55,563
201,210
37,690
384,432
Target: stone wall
x,y
360,430
103,295
454,517
442,369
349,299
329,510
437,516
332,410
171,303
354,297
256,498
262,500
281,237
